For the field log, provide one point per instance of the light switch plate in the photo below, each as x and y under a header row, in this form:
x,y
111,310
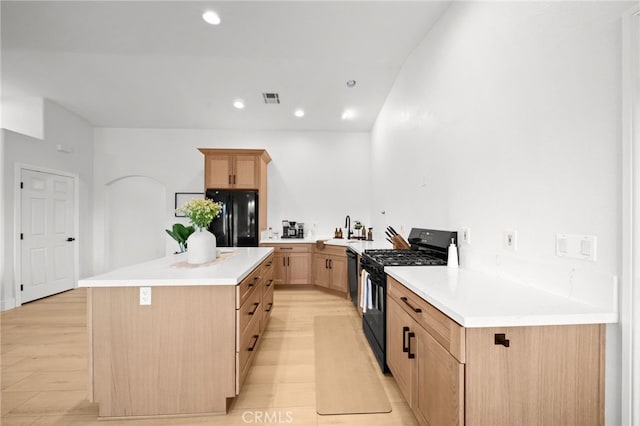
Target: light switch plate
x,y
576,246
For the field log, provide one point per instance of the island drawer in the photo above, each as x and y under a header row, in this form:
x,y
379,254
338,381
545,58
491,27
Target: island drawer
x,y
250,309
444,330
246,287
267,306
246,350
329,250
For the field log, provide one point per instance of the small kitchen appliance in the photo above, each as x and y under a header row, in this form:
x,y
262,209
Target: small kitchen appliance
x,y
428,248
291,229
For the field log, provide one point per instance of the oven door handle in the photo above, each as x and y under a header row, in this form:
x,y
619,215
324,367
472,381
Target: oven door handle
x,y
406,301
405,346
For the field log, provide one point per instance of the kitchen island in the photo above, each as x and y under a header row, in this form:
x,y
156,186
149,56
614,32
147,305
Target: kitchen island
x,y
167,338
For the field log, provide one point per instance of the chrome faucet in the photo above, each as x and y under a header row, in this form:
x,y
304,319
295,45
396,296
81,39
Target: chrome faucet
x,y
347,224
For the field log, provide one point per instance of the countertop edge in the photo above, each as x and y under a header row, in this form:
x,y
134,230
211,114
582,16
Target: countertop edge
x,y
230,280
598,315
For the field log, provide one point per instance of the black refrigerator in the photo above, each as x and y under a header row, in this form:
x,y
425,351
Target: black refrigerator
x,y
237,225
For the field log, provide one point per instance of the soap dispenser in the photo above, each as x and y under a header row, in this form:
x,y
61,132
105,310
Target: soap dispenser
x,y
452,259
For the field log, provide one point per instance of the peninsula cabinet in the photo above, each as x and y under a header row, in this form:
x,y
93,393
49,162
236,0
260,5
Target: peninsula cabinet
x,y
499,376
330,268
238,169
291,263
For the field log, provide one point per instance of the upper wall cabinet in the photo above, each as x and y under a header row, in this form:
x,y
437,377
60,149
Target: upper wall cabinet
x,y
238,169
235,168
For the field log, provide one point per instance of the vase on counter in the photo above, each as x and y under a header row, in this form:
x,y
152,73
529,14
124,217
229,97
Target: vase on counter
x,y
201,247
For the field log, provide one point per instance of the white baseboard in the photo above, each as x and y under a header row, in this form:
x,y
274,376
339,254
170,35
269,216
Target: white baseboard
x,y
5,305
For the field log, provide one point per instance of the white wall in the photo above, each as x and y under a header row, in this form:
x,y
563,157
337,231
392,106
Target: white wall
x,y
507,117
314,177
72,131
23,115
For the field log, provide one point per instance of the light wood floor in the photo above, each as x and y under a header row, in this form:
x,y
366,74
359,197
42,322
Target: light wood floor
x,y
44,368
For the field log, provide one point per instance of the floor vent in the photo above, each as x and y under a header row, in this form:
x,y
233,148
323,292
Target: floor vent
x,y
271,98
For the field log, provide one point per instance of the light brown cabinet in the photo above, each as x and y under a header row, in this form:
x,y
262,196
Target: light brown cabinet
x,y
451,375
238,169
291,263
184,354
330,268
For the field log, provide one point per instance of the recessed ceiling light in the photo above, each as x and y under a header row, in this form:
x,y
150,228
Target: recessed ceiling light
x,y
351,83
299,113
348,114
210,17
238,103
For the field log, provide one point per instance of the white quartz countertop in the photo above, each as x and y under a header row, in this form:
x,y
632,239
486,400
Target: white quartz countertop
x,y
477,299
357,245
231,267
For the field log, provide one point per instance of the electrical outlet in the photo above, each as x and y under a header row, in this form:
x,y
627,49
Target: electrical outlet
x,y
466,235
510,240
145,296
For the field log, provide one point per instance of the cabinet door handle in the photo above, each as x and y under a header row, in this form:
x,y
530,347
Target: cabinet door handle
x,y
255,308
229,179
405,347
500,339
269,283
284,261
406,301
269,306
326,264
330,263
234,179
288,261
411,335
255,342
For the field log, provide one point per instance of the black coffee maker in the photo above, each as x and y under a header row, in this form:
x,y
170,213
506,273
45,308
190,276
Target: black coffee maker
x,y
292,229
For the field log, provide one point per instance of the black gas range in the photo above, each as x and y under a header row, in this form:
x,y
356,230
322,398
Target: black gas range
x,y
428,248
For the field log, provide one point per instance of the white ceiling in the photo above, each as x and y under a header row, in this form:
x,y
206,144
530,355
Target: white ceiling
x,y
156,64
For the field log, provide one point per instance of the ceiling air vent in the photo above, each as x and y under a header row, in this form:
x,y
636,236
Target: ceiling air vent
x,y
271,98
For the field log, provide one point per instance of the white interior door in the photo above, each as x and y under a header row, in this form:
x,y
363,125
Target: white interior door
x,y
47,234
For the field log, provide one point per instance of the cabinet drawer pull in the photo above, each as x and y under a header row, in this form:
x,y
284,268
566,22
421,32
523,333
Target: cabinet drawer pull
x,y
255,342
269,284
500,339
268,265
406,301
270,305
255,308
411,335
286,248
405,347
256,278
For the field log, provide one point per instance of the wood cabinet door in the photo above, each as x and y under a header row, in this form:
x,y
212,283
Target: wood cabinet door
x,y
399,324
321,272
280,268
438,397
299,265
218,171
338,270
548,375
245,174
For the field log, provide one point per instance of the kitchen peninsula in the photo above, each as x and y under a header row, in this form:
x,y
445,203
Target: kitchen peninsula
x,y
168,338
